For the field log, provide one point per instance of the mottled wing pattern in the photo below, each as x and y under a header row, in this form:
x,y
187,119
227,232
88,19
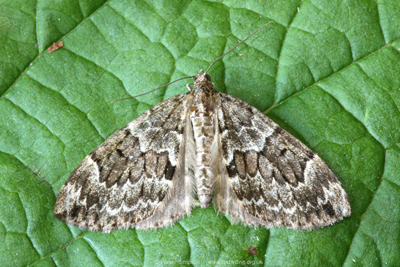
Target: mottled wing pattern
x,y
268,177
131,179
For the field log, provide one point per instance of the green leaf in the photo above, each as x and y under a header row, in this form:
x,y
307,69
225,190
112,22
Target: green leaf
x,y
327,71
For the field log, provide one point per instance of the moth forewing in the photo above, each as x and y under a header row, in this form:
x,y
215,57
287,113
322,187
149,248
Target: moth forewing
x,y
135,178
270,178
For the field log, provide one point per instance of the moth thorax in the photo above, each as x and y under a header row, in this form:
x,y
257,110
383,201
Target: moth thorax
x,y
203,101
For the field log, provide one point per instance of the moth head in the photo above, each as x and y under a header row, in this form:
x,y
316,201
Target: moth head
x,y
201,77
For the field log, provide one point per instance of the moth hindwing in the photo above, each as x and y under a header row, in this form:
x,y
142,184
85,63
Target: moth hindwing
x,y
146,174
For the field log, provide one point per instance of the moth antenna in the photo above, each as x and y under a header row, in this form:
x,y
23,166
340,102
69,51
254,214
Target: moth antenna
x,y
241,42
188,77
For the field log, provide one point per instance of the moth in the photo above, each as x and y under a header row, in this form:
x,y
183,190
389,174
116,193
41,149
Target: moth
x,y
208,144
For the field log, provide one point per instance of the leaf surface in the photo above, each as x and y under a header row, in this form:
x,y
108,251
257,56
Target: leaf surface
x,y
327,71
